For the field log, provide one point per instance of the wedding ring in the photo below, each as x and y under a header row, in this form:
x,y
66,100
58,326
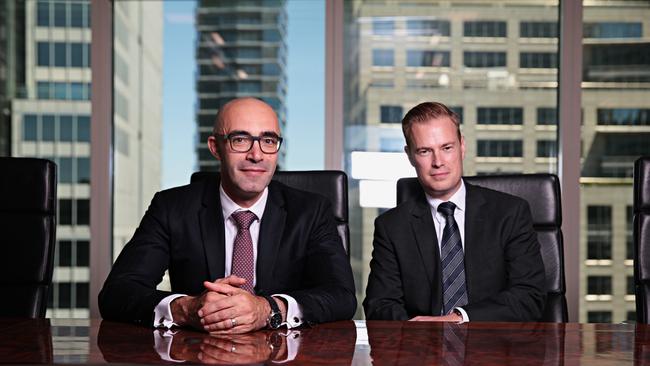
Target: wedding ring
x,y
233,321
232,348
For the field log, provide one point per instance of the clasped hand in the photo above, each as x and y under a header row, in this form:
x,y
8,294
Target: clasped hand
x,y
223,308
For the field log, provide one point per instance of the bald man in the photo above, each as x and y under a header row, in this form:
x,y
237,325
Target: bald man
x,y
243,253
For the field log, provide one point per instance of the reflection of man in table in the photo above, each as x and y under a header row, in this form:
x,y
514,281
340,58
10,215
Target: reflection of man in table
x,y
243,252
465,253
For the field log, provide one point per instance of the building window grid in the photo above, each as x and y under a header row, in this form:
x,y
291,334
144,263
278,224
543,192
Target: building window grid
x,y
599,317
55,128
69,13
484,59
500,148
427,58
547,116
485,29
612,30
599,285
390,114
383,57
538,30
428,27
63,54
46,90
382,27
623,116
546,148
500,115
538,60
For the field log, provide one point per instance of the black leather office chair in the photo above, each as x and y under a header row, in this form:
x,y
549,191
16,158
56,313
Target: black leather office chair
x,y
542,191
332,184
642,238
27,232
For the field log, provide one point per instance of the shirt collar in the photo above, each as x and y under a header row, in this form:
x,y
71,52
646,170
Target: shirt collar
x,y
457,198
228,206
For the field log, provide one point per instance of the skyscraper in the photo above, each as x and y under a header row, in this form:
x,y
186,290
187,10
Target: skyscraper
x,y
48,103
241,51
495,64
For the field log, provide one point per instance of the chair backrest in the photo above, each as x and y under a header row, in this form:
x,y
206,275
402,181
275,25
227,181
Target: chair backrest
x,y
542,191
642,238
28,227
332,184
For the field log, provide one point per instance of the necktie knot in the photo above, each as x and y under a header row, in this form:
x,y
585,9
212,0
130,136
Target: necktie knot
x,y
447,209
243,219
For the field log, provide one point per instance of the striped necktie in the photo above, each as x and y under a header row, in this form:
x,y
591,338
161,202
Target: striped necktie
x,y
453,266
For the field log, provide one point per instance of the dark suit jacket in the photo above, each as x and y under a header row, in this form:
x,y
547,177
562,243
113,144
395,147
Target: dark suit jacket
x,y
299,254
503,266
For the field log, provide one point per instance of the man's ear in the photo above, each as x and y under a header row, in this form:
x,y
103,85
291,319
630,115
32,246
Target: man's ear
x,y
214,147
408,154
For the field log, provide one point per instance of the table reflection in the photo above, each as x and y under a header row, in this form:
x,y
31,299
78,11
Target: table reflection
x,y
310,345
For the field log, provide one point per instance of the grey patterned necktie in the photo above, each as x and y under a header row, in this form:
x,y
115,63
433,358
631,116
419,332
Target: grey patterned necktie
x,y
452,259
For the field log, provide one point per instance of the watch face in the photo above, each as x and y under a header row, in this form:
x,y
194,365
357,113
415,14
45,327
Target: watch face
x,y
275,320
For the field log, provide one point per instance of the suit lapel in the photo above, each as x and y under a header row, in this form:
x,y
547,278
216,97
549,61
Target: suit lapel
x,y
271,231
474,225
212,229
425,237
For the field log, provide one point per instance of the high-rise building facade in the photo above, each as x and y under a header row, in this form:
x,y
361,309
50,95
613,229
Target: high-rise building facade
x,y
496,64
50,118
241,52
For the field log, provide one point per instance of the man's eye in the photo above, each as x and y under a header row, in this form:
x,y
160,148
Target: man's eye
x,y
269,141
238,139
422,152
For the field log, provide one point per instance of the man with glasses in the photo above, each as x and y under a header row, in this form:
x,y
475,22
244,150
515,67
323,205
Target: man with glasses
x,y
243,253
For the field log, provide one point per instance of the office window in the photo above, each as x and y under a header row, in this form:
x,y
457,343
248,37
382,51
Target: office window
x,y
83,170
65,170
538,30
64,253
391,114
83,212
599,317
121,105
484,59
48,127
428,28
630,285
43,14
546,116
83,253
43,90
60,54
65,128
631,316
60,91
77,55
629,232
43,53
83,128
383,27
427,58
382,57
30,127
538,60
82,295
60,15
499,148
65,212
391,144
121,69
459,111
78,17
599,285
484,29
612,30
624,116
500,116
546,148
599,232
64,292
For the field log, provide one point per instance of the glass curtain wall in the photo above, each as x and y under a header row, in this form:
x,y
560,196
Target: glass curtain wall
x,y
615,132
495,63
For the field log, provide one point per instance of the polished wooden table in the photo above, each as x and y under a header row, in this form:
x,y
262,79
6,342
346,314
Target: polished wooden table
x,y
69,341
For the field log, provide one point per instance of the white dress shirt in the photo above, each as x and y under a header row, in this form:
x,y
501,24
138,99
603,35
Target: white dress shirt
x,y
458,199
162,312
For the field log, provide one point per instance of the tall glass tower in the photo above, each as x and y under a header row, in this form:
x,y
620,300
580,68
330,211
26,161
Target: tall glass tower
x,y
241,51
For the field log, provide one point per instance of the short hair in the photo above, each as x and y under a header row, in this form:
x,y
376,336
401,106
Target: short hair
x,y
425,112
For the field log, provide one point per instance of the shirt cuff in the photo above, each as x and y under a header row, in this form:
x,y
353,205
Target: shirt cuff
x,y
464,315
294,311
293,346
162,313
163,344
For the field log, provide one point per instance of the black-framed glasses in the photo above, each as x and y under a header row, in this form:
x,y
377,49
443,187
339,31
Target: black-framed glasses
x,y
241,142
